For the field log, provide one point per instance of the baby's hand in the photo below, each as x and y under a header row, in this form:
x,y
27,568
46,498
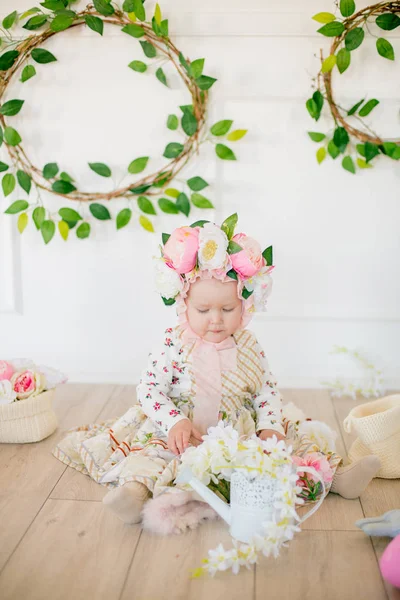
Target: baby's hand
x,y
180,434
264,434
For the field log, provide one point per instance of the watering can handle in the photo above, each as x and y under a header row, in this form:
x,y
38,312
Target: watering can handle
x,y
321,499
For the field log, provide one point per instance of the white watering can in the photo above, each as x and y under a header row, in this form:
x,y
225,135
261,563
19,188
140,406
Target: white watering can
x,y
252,501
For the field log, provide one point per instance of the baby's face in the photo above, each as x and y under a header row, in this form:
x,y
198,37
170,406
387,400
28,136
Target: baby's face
x,y
214,310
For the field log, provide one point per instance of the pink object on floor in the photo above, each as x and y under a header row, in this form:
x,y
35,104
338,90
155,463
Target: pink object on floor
x,y
390,563
175,512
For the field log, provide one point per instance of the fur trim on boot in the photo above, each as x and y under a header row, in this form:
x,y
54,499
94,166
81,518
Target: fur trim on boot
x,y
175,512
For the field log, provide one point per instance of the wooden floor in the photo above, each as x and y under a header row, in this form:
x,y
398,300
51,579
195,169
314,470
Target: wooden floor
x,y
58,542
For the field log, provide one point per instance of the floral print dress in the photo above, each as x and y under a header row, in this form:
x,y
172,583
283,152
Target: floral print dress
x,y
134,446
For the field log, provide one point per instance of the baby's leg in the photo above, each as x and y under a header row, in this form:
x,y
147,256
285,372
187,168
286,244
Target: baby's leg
x,y
127,501
351,481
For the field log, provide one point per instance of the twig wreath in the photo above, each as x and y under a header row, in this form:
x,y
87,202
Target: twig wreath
x,y
55,16
348,34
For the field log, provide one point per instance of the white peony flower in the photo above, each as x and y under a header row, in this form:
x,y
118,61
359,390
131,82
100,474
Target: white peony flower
x,y
319,433
7,394
168,282
261,286
213,245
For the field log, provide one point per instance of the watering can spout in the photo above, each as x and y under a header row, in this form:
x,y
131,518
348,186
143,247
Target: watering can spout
x,y
186,477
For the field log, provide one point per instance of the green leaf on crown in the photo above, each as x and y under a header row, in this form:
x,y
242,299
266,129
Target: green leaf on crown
x,y
165,237
94,23
232,274
228,226
268,255
246,293
24,181
199,223
123,218
8,59
234,248
99,211
16,207
42,56
168,301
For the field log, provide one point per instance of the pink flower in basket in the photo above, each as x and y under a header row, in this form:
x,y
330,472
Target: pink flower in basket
x,y
317,461
6,370
28,383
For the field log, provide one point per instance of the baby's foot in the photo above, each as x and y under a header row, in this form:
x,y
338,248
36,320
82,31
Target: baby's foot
x,y
351,481
127,501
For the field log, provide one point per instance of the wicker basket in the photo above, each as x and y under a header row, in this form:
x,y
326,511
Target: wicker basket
x,y
29,420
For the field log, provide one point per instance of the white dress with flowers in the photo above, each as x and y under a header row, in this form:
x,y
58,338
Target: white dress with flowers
x,y
134,446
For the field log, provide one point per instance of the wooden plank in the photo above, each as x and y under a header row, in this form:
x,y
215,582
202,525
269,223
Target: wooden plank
x,y
28,472
162,568
76,486
72,550
329,564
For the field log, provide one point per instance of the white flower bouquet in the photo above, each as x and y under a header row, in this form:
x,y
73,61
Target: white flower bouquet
x,y
213,462
26,395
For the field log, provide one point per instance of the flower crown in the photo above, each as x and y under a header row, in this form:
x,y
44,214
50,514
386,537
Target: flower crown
x,y
206,247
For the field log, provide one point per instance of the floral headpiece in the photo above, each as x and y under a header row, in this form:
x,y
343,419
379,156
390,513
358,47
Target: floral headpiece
x,y
205,249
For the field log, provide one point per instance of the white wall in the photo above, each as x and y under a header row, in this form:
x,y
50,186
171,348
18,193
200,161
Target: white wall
x,y
89,307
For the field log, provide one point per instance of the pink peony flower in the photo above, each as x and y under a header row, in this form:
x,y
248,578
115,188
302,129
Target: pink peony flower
x,y
317,461
181,249
27,383
6,370
250,260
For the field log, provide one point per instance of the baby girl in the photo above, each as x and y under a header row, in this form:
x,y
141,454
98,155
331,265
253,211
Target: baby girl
x,y
208,368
